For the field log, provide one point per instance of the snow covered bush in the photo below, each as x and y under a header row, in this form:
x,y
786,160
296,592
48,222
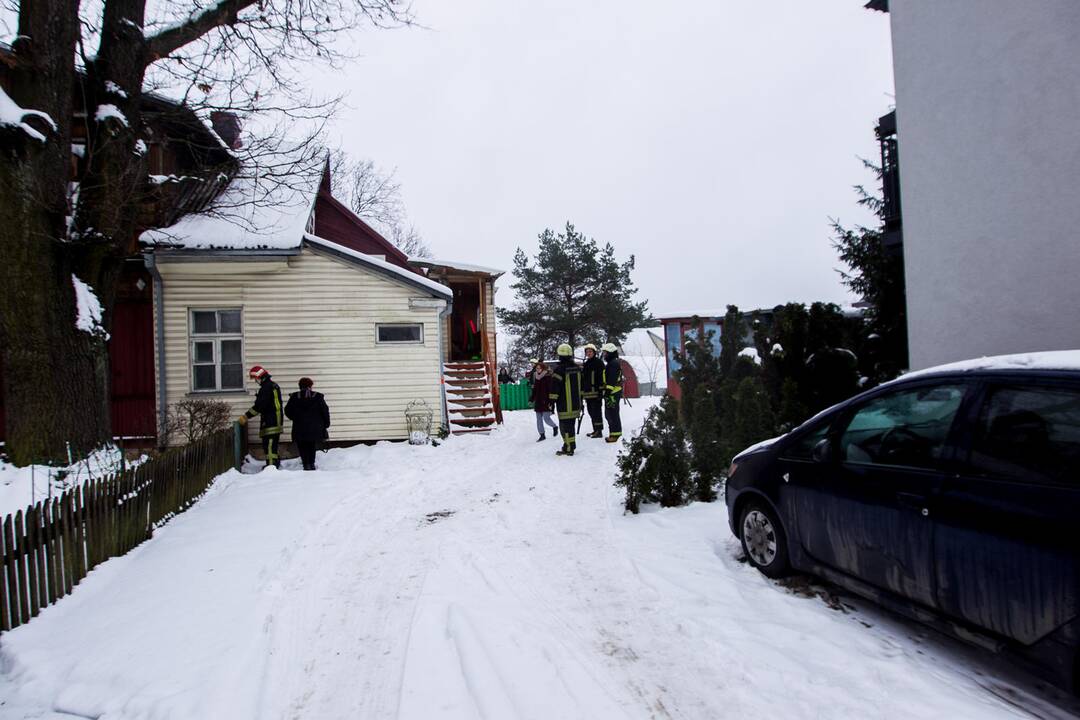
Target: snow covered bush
x,y
654,466
196,418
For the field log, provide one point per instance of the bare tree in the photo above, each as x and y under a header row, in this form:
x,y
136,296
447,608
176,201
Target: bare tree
x,y
374,194
235,54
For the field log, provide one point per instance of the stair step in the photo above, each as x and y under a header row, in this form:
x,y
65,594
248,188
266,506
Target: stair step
x,y
473,409
473,421
464,366
462,431
471,401
468,391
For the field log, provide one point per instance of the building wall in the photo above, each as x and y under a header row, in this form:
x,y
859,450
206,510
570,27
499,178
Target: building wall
x,y
311,315
987,98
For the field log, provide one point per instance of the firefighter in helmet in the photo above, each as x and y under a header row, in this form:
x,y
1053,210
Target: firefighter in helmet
x,y
592,389
566,396
268,407
612,391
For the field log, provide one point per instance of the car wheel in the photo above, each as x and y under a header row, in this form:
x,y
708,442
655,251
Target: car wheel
x,y
763,540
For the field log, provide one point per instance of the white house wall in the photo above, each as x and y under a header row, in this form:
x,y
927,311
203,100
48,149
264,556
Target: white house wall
x,y
987,101
311,316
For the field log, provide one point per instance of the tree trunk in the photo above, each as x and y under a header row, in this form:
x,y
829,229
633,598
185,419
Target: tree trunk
x,y
54,374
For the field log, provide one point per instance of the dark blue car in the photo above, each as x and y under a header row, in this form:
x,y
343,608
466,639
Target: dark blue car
x,y
951,495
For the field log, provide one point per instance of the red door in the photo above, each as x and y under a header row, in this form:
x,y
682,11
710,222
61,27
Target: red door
x,y
131,360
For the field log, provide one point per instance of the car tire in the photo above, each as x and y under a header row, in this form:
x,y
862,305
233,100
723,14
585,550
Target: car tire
x,y
764,540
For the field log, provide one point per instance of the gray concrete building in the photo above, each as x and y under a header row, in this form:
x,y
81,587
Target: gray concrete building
x,y
987,111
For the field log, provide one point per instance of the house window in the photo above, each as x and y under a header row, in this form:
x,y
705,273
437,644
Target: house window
x,y
217,350
404,333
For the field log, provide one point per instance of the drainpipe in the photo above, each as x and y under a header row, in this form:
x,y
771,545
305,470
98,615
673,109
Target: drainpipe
x,y
443,314
159,327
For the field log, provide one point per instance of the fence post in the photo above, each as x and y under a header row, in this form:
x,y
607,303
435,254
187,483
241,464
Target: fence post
x,y
238,445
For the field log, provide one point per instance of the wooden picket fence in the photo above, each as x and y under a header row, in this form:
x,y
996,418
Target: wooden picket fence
x,y
49,548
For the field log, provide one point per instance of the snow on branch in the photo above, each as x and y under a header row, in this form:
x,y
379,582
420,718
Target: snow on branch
x,y
89,316
12,115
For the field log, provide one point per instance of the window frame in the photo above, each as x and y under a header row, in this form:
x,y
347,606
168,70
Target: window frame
x,y
216,339
965,446
952,444
380,325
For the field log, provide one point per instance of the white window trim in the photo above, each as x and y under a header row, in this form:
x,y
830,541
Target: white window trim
x,y
399,342
216,339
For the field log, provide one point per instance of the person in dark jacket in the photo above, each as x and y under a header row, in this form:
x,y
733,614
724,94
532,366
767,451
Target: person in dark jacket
x,y
592,389
271,419
310,417
541,400
612,391
566,394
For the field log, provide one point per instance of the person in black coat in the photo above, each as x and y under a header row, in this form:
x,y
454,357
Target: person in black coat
x,y
592,390
613,392
268,407
310,417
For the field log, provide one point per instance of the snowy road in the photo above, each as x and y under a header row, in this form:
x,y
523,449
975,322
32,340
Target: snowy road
x,y
482,579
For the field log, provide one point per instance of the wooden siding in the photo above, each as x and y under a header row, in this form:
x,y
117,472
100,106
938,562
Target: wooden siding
x,y
312,315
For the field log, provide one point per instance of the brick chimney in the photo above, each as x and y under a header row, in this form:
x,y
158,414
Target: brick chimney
x,y
227,125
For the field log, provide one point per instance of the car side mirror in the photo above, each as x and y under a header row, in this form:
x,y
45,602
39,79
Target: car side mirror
x,y
822,452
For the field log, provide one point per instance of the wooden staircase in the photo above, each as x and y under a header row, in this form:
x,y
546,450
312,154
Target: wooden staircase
x,y
469,399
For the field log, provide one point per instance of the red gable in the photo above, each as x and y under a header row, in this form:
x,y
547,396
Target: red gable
x,y
335,222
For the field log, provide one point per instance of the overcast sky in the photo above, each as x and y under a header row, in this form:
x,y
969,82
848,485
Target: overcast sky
x,y
712,139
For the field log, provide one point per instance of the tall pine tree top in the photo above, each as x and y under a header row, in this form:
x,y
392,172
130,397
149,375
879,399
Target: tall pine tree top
x,y
573,291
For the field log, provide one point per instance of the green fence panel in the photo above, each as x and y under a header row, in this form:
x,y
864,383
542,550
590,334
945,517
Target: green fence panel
x,y
514,396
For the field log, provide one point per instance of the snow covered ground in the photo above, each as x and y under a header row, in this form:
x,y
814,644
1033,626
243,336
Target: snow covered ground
x,y
485,578
24,486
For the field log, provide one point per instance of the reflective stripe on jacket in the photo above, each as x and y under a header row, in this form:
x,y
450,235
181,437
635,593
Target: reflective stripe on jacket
x,y
566,389
268,407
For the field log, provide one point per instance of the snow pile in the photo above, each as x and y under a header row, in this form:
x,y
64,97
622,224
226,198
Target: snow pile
x,y
752,353
11,115
113,88
1051,360
108,111
485,578
21,487
89,309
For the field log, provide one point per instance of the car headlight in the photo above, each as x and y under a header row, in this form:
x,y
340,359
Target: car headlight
x,y
731,470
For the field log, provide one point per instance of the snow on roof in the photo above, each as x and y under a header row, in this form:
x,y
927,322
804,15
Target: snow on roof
x,y
252,213
676,314
454,265
406,275
648,368
1052,360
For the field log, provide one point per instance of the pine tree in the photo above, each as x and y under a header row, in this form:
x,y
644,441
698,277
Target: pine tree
x,y
572,290
877,276
655,466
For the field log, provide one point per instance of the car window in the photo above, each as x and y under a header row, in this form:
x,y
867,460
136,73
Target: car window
x,y
906,427
1029,433
803,448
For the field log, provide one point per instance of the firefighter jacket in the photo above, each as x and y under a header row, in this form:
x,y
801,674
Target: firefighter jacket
x,y
613,379
566,388
268,407
592,378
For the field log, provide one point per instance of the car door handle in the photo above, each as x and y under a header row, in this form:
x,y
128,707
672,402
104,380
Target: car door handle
x,y
914,501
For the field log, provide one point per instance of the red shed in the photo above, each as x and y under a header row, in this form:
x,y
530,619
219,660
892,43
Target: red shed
x,y
629,380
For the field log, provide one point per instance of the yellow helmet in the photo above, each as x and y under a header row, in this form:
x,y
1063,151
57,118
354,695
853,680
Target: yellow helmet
x,y
589,346
609,347
564,350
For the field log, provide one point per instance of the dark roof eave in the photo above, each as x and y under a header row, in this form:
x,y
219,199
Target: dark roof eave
x,y
879,5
